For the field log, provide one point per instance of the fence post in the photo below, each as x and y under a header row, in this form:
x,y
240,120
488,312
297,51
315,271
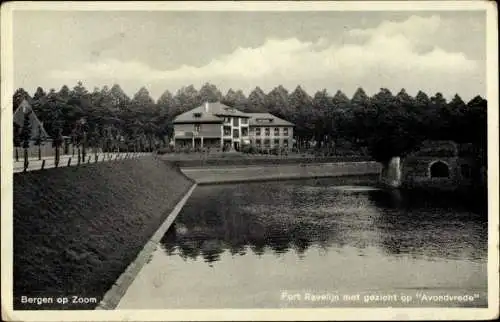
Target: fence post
x,y
43,164
69,161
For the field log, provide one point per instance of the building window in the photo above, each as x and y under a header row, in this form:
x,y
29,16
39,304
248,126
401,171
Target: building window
x,y
236,133
236,121
285,143
244,121
197,127
244,131
267,131
257,131
267,143
276,131
276,142
257,142
227,130
197,115
227,120
285,131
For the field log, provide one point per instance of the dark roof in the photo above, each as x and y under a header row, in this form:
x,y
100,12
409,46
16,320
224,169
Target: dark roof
x,y
18,118
267,119
208,112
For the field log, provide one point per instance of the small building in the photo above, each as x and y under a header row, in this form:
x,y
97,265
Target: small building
x,y
445,165
220,126
36,129
25,109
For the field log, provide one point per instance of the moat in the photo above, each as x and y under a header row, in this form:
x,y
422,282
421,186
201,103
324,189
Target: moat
x,y
280,244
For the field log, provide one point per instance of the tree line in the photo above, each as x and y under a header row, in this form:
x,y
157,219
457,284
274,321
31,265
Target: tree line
x,y
385,124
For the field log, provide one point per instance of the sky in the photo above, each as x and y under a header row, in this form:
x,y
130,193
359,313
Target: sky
x,y
430,51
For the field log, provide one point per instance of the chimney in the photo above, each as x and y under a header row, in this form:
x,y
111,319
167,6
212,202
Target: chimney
x,y
206,107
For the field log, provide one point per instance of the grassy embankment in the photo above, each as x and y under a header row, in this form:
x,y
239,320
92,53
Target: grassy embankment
x,y
184,160
76,229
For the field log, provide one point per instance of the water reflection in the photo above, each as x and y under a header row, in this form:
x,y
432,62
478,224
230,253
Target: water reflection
x,y
431,225
280,217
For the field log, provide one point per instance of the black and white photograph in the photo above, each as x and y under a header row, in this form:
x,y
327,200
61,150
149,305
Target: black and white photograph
x,y
288,160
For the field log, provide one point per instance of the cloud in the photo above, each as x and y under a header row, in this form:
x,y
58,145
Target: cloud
x,y
415,28
391,53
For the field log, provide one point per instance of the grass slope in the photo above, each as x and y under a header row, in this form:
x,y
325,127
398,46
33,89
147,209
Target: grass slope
x,y
76,229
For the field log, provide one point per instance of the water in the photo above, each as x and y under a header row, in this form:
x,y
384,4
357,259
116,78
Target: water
x,y
286,244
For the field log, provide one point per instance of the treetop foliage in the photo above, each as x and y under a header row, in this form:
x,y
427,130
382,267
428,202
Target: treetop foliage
x,y
387,124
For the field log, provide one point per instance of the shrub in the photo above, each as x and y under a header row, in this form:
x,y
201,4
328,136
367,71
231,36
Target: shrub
x,y
164,150
249,149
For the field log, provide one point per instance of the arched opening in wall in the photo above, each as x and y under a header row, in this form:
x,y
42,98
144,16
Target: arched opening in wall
x,y
439,169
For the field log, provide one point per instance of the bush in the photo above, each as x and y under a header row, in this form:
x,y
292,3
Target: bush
x,y
249,149
164,150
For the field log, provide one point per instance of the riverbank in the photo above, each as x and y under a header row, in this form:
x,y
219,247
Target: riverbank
x,y
76,229
246,173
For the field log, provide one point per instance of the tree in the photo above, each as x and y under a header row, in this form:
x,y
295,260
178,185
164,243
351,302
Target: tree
x,y
39,141
26,136
383,100
19,95
256,101
94,140
422,113
209,93
150,130
235,99
404,100
457,111
186,98
339,118
303,116
360,99
385,127
322,105
64,93
119,100
57,142
39,101
39,94
359,103
476,115
440,118
17,139
277,103
80,99
165,104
